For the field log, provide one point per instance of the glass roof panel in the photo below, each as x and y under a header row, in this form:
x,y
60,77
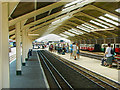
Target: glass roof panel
x,y
90,26
68,33
108,20
104,23
98,24
75,31
87,26
61,20
112,17
74,2
63,35
83,28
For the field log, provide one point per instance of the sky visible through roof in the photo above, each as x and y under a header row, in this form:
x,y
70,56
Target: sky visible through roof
x,y
52,37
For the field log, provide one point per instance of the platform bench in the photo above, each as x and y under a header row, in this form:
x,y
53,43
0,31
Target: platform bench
x,y
117,61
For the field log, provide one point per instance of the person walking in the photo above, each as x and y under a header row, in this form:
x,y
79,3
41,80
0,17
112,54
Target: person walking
x,y
71,50
74,47
109,56
78,50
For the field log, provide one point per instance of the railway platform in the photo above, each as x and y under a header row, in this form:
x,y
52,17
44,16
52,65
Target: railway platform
x,y
94,65
32,75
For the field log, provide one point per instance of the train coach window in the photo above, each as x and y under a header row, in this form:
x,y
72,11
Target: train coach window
x,y
117,46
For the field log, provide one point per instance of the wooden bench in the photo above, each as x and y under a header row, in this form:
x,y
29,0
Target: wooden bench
x,y
117,61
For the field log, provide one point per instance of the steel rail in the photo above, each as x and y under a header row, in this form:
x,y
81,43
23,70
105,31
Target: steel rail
x,y
115,84
49,70
58,72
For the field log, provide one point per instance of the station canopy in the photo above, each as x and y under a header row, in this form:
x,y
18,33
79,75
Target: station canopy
x,y
71,19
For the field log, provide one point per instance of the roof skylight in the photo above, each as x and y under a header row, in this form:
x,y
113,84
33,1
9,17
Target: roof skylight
x,y
90,26
98,24
75,31
87,26
83,28
68,33
104,23
118,10
63,35
61,20
108,20
71,3
112,17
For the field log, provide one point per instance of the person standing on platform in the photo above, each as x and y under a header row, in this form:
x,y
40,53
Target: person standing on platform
x,y
109,55
74,47
78,50
71,50
51,47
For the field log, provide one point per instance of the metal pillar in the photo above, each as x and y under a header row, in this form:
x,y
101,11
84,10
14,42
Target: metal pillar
x,y
4,46
18,49
23,47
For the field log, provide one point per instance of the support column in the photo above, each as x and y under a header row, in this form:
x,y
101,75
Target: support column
x,y
114,40
104,40
23,48
96,41
0,45
4,46
18,49
114,43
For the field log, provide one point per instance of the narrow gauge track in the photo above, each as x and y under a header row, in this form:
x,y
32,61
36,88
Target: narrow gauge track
x,y
57,78
91,55
74,78
100,80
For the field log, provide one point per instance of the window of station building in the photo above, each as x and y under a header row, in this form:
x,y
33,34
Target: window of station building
x,y
98,24
118,10
104,23
68,33
83,28
112,17
63,35
108,20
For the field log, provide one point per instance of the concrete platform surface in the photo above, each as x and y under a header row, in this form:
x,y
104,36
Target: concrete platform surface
x,y
32,75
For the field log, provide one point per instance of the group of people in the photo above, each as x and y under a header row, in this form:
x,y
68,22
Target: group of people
x,y
75,51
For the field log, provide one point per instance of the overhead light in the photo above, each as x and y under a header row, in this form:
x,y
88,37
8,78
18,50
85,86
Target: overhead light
x,y
33,34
